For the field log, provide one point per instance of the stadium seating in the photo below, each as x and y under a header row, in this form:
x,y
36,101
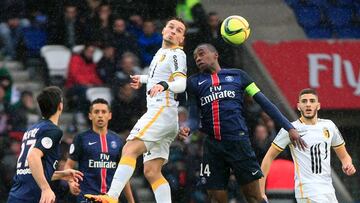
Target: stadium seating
x,y
328,18
97,54
99,92
319,33
318,3
348,33
339,16
308,16
57,58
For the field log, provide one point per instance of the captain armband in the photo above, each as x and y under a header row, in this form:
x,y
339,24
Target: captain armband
x,y
252,89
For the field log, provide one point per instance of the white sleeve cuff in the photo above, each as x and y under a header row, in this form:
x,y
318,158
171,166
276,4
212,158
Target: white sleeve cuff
x,y
144,78
177,86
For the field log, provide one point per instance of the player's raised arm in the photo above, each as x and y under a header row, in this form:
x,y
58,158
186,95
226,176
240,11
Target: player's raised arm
x,y
138,80
275,114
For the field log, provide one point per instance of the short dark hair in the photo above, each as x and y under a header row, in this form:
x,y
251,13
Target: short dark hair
x,y
99,101
180,20
208,46
49,100
308,91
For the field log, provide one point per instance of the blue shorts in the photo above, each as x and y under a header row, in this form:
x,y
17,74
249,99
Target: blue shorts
x,y
219,157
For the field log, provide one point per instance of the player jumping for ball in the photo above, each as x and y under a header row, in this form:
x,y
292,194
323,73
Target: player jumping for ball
x,y
218,94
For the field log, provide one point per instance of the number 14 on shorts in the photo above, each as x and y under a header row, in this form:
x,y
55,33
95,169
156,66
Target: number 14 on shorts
x,y
204,170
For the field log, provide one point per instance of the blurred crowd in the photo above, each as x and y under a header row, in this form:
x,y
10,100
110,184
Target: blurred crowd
x,y
127,34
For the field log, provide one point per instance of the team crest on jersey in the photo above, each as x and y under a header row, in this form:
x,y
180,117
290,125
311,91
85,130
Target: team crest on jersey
x,y
72,148
326,133
162,57
113,144
229,78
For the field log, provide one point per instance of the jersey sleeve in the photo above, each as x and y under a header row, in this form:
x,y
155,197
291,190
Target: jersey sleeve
x,y
178,64
248,84
281,140
337,140
48,139
75,148
246,80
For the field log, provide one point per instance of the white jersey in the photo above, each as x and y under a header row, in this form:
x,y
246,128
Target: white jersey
x,y
312,166
166,64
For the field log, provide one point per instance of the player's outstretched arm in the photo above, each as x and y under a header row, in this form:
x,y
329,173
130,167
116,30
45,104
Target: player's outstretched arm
x,y
37,171
128,193
271,154
68,174
138,80
346,161
275,114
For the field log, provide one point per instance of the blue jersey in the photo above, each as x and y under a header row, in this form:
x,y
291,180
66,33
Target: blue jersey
x,y
219,96
45,136
98,156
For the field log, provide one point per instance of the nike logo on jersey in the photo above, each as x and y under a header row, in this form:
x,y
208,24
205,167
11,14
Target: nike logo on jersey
x,y
91,143
254,173
200,83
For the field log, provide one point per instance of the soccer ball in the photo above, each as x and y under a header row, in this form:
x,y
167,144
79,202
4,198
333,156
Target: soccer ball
x,y
235,30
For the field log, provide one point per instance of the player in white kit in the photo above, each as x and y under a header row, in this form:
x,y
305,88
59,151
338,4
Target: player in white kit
x,y
313,182
157,128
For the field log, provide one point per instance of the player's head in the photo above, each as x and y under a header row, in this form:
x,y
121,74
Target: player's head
x,y
50,101
100,113
206,57
308,103
174,32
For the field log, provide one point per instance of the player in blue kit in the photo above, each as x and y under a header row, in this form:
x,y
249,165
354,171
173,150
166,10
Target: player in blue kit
x,y
39,154
97,152
218,94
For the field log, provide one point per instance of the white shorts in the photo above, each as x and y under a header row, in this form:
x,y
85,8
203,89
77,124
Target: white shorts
x,y
328,198
158,127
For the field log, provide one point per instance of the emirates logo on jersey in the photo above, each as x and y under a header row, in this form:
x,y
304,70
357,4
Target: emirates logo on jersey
x,y
326,133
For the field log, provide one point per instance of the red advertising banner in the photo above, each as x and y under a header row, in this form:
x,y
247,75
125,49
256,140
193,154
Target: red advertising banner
x,y
330,67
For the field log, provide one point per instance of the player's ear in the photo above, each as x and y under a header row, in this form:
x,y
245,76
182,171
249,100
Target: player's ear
x,y
110,115
90,116
298,106
318,107
61,106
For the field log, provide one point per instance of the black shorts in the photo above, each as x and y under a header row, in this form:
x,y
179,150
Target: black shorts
x,y
220,157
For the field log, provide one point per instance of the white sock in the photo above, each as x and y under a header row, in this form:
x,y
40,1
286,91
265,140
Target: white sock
x,y
162,191
122,175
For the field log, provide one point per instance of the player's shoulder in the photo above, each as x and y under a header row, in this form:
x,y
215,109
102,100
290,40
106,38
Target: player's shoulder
x,y
327,122
86,132
44,126
193,79
177,50
233,71
296,123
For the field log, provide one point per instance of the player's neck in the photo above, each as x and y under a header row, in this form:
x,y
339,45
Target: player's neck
x,y
55,118
308,121
167,45
100,131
